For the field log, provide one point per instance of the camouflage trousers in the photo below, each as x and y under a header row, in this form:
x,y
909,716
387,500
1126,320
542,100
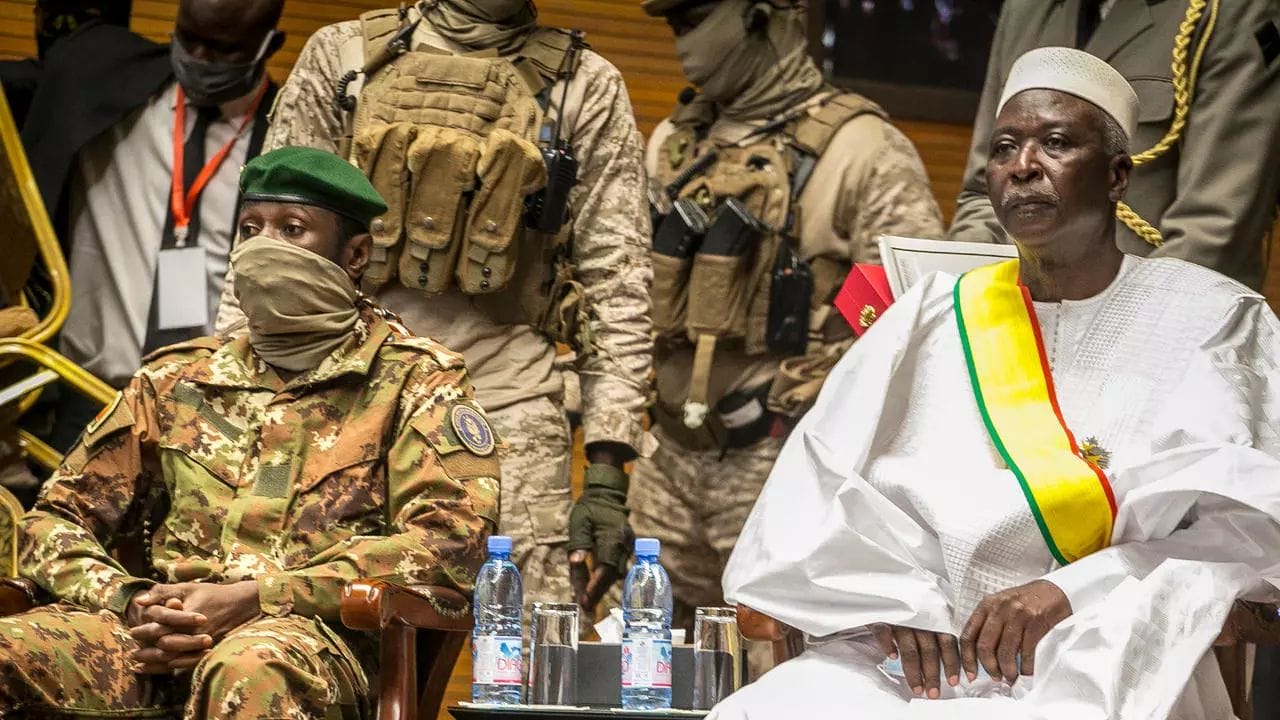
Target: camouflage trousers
x,y
537,495
61,661
695,503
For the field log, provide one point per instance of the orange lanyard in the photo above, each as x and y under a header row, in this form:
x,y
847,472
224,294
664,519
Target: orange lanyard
x,y
179,203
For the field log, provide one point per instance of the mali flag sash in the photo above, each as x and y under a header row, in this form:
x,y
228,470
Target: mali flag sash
x,y
1069,496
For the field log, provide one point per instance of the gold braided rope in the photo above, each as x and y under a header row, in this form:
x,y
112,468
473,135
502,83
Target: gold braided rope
x,y
1184,84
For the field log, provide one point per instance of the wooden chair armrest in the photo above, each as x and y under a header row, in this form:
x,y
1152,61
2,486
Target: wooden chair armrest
x,y
416,623
377,604
16,595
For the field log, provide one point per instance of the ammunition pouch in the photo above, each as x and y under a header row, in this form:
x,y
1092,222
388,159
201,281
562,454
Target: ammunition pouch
x,y
770,297
671,284
451,143
510,169
441,166
380,153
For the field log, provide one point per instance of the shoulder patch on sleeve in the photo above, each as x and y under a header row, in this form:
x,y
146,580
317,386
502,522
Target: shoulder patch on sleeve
x,y
462,438
472,430
114,417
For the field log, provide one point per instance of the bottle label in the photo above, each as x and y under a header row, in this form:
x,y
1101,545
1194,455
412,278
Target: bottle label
x,y
495,660
646,662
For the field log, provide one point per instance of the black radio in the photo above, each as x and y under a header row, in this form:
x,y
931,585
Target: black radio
x,y
548,210
787,329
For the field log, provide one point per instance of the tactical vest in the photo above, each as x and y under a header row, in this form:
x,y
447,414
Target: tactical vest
x,y
710,298
454,143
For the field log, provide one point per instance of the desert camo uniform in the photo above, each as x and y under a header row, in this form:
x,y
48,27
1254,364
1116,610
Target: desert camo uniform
x,y
513,366
695,492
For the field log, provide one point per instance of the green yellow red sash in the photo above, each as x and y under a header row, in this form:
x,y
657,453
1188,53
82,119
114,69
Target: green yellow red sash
x,y
1070,497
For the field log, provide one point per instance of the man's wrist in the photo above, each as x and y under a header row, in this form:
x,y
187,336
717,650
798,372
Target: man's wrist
x,y
606,477
609,453
121,599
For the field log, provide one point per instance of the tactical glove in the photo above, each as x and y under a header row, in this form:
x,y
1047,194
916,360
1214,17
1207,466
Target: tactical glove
x,y
598,529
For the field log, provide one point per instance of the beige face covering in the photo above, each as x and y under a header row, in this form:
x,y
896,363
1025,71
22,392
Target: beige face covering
x,y
484,24
301,307
749,76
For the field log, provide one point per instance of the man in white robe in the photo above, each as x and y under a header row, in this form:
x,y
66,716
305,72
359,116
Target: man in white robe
x,y
892,526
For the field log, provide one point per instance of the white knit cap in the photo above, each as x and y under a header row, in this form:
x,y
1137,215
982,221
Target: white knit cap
x,y
1078,73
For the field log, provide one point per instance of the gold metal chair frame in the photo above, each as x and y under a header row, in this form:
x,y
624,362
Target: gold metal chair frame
x,y
26,223
18,183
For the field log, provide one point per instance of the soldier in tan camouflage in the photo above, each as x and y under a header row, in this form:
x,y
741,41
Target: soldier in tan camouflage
x,y
823,173
327,445
513,364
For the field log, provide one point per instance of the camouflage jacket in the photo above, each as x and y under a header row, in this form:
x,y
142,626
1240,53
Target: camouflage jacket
x,y
376,464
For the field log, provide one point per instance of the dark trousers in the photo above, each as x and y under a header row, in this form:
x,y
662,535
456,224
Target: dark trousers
x,y
1266,683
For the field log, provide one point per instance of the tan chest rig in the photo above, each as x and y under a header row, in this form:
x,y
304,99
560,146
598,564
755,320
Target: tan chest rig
x,y
454,144
708,298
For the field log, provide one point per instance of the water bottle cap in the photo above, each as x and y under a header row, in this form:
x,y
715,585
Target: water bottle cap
x,y
648,547
499,544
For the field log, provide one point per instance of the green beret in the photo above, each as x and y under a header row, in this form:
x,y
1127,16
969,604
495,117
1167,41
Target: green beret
x,y
308,176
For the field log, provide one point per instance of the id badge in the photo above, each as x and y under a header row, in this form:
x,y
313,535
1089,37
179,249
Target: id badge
x,y
182,282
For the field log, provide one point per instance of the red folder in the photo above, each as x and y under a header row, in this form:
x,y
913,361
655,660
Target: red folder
x,y
864,296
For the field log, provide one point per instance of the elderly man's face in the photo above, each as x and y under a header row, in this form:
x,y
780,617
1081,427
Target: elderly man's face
x,y
310,228
1049,174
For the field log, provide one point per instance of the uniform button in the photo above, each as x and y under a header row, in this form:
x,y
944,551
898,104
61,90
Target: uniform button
x,y
429,223
484,284
378,224
423,267
422,280
491,226
486,271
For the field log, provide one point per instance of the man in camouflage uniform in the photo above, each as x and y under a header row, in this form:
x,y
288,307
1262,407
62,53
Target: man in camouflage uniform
x,y
757,91
327,445
513,365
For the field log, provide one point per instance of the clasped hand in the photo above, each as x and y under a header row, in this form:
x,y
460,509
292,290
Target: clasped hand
x,y
176,625
1001,636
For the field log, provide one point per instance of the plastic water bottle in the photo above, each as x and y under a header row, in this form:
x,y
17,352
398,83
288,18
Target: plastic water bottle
x,y
496,676
646,644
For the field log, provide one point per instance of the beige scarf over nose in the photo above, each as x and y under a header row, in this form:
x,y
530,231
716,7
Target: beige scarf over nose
x,y
483,24
301,307
750,76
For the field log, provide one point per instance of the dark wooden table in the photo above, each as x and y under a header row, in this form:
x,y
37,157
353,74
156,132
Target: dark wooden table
x,y
520,712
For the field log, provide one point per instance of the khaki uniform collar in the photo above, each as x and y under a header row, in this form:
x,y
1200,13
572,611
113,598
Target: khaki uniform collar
x,y
234,365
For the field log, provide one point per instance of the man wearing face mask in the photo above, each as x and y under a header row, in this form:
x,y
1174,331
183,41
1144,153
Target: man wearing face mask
x,y
136,148
327,445
769,184
510,160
